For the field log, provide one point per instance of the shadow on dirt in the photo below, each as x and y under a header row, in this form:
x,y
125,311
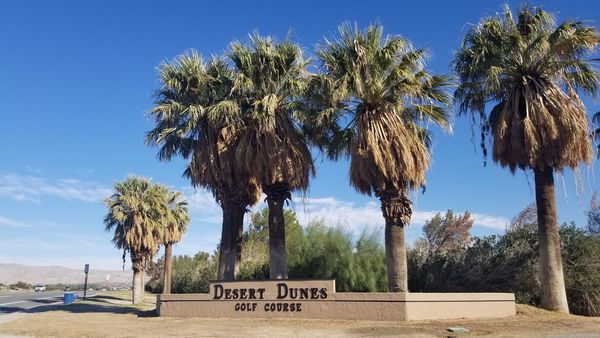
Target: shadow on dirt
x,y
96,304
105,297
43,301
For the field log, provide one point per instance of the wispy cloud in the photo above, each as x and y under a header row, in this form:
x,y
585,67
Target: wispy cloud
x,y
357,217
490,221
202,205
351,215
5,221
30,188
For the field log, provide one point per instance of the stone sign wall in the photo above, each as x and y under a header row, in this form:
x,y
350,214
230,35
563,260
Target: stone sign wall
x,y
273,296
317,299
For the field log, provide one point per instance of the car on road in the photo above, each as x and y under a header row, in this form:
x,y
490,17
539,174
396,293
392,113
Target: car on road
x,y
40,288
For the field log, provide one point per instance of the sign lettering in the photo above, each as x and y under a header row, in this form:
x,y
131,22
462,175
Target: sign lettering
x,y
280,297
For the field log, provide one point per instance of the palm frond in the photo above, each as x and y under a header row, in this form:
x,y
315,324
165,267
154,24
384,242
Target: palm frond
x,y
136,213
270,81
373,103
195,111
531,70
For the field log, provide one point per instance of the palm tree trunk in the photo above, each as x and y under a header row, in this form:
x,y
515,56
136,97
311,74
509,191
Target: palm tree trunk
x,y
138,282
230,252
395,253
167,269
397,211
554,296
276,196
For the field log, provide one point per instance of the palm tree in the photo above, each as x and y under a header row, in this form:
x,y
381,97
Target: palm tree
x,y
135,212
269,78
529,70
192,111
176,224
373,101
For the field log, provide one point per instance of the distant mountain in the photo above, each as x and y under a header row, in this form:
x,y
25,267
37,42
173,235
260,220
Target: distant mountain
x,y
12,273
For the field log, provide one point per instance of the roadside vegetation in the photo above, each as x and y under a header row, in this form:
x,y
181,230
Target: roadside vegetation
x,y
446,258
16,286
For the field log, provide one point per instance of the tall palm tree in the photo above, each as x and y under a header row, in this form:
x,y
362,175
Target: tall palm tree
x,y
269,78
529,70
176,224
135,212
373,101
192,114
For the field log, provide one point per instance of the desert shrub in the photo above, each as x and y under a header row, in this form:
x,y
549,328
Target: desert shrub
x,y
581,265
510,263
446,259
191,274
20,286
317,252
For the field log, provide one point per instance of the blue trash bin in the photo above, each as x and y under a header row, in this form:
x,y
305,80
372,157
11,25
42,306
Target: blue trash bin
x,y
69,298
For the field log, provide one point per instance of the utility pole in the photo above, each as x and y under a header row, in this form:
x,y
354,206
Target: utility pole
x,y
86,270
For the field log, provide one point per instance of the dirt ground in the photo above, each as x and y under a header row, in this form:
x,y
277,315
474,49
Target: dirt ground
x,y
107,316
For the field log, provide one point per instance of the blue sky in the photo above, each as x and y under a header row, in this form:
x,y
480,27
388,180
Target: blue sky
x,y
77,80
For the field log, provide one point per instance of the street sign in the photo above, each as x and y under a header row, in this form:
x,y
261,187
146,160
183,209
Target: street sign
x,y
86,270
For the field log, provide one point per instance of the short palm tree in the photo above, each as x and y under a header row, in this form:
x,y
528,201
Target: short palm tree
x,y
191,112
529,70
373,101
269,77
135,213
176,223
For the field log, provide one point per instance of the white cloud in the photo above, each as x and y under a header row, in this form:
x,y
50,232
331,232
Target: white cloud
x,y
5,221
29,188
333,211
490,221
202,205
342,213
357,217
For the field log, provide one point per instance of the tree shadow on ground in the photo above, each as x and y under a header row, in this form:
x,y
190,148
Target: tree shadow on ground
x,y
92,305
9,309
110,300
108,297
43,301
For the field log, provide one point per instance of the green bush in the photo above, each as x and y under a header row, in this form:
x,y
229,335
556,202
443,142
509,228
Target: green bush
x,y
510,263
317,252
190,274
445,259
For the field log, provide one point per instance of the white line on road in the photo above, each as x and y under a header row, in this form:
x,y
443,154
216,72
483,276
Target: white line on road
x,y
47,297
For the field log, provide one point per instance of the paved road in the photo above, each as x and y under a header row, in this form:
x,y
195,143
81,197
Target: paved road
x,y
20,301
